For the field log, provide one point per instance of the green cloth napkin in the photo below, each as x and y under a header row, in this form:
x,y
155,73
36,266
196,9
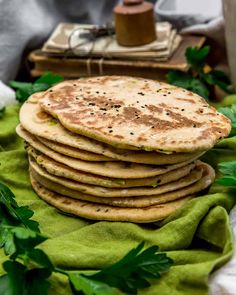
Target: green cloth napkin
x,y
197,237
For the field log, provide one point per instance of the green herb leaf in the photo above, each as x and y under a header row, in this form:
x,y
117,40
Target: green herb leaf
x,y
20,214
38,256
13,282
12,218
20,85
218,78
2,112
131,272
186,81
25,240
19,280
230,112
82,285
36,281
226,181
227,168
228,171
19,235
24,90
196,57
49,78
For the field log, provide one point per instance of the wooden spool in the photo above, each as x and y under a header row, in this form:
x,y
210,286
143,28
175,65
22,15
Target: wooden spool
x,y
134,23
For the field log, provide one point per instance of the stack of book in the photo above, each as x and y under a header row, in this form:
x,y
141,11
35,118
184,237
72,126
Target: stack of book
x,y
72,51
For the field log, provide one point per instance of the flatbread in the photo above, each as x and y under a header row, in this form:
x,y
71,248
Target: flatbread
x,y
98,191
131,202
95,211
44,126
129,112
73,152
57,169
109,169
152,158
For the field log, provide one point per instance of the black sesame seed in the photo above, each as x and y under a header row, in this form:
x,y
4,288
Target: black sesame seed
x,y
103,109
74,84
182,110
158,181
169,92
167,114
91,113
50,90
194,125
109,127
143,107
110,131
153,127
91,104
137,101
97,92
164,94
141,93
131,133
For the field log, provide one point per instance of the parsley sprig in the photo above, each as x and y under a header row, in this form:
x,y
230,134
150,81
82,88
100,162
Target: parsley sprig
x,y
2,111
228,174
28,268
230,112
25,89
228,169
200,77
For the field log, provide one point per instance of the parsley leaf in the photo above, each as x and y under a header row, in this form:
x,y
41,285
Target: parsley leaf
x,y
196,57
24,90
12,283
82,285
186,81
20,280
2,111
200,77
228,171
18,214
28,268
132,271
230,112
49,78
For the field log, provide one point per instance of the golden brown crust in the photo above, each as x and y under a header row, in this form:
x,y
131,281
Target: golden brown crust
x,y
95,211
141,113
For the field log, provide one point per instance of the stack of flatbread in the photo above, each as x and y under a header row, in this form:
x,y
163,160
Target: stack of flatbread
x,y
119,148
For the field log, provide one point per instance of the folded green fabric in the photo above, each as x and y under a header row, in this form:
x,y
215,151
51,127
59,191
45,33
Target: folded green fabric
x,y
197,237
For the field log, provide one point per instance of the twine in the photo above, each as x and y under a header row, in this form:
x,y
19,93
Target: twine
x,y
92,35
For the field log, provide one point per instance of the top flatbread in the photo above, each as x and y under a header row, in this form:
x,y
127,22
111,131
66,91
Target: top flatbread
x,y
46,128
130,113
